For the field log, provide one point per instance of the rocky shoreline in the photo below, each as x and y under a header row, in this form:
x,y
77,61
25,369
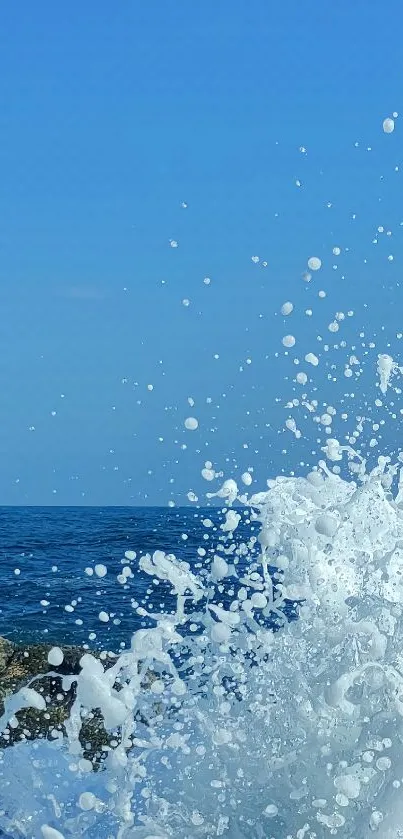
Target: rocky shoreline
x,y
20,664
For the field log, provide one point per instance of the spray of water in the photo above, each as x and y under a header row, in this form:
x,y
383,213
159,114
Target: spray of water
x,y
271,695
259,725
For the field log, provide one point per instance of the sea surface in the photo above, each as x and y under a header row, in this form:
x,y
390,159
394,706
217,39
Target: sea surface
x,y
44,552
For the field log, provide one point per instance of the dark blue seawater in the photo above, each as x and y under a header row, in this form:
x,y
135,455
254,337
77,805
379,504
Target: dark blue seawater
x,y
37,539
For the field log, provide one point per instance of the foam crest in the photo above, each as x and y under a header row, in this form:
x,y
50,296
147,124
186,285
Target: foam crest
x,y
258,724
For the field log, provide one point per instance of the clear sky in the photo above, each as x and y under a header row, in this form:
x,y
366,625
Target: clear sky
x,y
111,116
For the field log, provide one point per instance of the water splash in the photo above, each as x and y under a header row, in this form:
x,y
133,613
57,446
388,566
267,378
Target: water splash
x,y
258,725
253,724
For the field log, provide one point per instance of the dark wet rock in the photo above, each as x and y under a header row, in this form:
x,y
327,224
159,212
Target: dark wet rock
x,y
23,665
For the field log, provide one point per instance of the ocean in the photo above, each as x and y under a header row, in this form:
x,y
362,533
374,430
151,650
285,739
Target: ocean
x,y
44,552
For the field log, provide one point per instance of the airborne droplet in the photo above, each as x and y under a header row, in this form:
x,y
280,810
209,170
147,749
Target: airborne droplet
x,y
388,125
314,263
191,423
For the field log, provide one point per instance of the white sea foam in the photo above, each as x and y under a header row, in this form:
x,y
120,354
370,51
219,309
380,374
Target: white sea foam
x,y
275,730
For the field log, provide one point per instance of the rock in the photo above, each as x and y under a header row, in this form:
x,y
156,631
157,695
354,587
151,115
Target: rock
x,y
18,666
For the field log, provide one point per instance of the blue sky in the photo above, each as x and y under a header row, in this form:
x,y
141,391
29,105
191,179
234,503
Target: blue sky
x,y
111,116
